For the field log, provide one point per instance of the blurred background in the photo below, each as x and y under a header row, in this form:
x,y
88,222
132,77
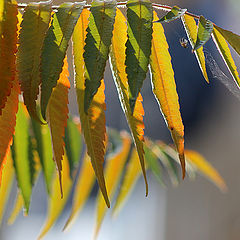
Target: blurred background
x,y
194,210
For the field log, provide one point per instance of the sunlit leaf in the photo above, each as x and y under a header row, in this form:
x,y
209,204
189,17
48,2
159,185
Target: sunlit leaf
x,y
174,14
113,171
164,88
191,30
36,18
55,47
57,115
224,50
205,28
96,50
138,46
93,123
82,189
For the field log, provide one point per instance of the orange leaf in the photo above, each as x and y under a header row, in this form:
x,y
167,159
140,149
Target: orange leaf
x,y
164,88
93,123
117,60
57,115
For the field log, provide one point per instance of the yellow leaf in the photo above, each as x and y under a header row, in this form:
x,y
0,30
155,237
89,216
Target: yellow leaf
x,y
113,172
224,50
7,180
93,123
164,88
56,203
82,190
117,60
191,30
132,174
57,115
206,168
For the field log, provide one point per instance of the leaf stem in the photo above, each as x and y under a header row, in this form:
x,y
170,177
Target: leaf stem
x,y
123,4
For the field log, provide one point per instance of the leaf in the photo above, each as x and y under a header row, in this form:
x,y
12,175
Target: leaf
x,y
57,115
82,189
93,123
117,63
224,50
206,168
54,48
73,143
132,174
113,171
205,28
191,30
164,88
21,158
6,185
36,18
138,46
96,50
56,203
232,38
174,14
8,49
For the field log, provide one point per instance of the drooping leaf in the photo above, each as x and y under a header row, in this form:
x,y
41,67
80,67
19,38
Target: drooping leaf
x,y
93,123
6,185
174,14
224,50
205,28
82,189
21,158
113,171
206,168
73,143
117,63
96,50
191,30
164,88
57,115
232,38
132,174
35,23
55,47
138,46
8,49
56,203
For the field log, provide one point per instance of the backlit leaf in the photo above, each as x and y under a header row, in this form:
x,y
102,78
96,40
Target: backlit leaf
x,y
56,203
113,171
36,18
138,46
205,28
117,63
57,115
8,49
164,88
191,30
55,47
224,50
174,14
96,50
93,123
82,189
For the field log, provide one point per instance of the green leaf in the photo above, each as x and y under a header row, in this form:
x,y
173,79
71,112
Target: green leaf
x,y
73,143
54,48
138,46
205,28
21,158
98,40
232,38
35,23
174,14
